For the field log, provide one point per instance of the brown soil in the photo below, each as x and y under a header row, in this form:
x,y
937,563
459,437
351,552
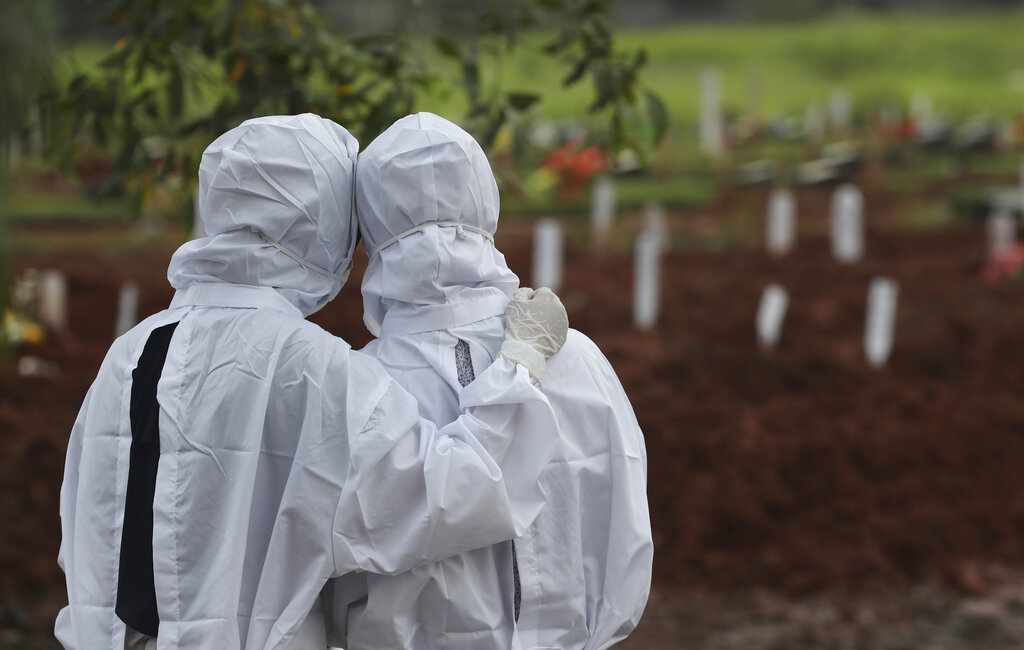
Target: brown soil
x,y
800,470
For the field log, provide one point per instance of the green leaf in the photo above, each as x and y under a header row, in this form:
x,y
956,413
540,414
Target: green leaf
x,y
564,40
640,59
117,59
447,47
604,88
471,78
576,73
657,115
175,93
521,101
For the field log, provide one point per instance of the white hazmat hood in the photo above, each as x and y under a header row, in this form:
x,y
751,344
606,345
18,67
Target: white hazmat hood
x,y
427,205
297,240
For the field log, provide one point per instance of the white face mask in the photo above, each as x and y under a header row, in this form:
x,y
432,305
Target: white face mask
x,y
460,228
368,318
340,277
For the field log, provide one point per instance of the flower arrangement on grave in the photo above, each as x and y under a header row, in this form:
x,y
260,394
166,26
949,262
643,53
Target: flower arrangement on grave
x,y
571,167
1006,264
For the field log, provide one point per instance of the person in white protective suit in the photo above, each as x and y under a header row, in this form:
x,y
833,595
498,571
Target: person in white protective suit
x,y
435,294
231,457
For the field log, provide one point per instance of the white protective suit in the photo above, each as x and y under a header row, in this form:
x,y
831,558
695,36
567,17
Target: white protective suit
x,y
585,564
285,458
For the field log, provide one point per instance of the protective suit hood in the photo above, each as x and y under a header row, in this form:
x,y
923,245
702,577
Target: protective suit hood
x,y
427,205
275,198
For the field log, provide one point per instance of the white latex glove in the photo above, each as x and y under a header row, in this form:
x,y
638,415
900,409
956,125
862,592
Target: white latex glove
x,y
535,328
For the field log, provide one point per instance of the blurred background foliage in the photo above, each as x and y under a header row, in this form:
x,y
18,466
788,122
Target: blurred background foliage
x,y
26,36
144,86
180,72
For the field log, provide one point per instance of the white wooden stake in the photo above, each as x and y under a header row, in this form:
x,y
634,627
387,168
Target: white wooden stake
x,y
53,300
127,309
881,321
840,110
780,227
547,254
654,223
1002,232
921,108
847,224
602,207
712,132
646,281
814,123
770,314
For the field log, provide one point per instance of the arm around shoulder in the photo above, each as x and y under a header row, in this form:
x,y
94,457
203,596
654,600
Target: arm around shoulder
x,y
416,494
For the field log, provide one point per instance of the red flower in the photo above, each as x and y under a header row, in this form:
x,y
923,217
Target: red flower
x,y
576,167
1007,264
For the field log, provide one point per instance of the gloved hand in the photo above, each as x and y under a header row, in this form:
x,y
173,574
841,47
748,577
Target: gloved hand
x,y
535,328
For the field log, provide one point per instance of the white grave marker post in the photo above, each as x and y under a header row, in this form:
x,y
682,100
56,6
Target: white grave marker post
x,y
770,314
814,123
646,281
127,309
921,108
654,223
1002,235
547,255
840,110
780,230
602,208
712,131
847,222
881,321
52,305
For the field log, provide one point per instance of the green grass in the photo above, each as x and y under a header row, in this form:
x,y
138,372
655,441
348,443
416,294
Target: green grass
x,y
969,64
39,209
631,193
966,63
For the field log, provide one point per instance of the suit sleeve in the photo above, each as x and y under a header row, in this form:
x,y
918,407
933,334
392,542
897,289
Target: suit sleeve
x,y
415,493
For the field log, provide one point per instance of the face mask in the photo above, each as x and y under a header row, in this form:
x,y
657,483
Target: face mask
x,y
459,228
368,319
340,277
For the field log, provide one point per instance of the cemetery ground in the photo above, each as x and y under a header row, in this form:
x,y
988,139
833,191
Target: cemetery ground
x,y
799,497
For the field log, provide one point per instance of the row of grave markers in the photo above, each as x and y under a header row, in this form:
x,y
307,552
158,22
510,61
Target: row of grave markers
x,y
879,325
836,114
48,289
846,221
711,120
547,272
847,239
